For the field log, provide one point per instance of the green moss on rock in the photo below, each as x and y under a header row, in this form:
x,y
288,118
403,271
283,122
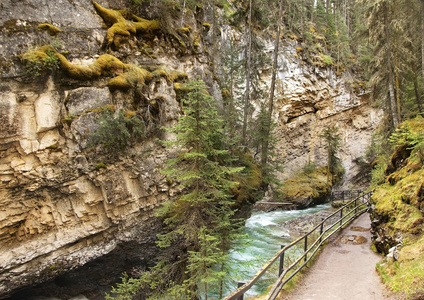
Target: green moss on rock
x,y
311,187
399,212
126,75
51,29
123,24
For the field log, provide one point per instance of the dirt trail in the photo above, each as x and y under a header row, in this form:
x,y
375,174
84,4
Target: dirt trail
x,y
345,270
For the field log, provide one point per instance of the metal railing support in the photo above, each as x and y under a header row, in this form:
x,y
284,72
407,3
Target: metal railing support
x,y
281,267
240,284
306,247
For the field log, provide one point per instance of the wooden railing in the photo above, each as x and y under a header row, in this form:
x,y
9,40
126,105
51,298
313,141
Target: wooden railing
x,y
347,213
344,195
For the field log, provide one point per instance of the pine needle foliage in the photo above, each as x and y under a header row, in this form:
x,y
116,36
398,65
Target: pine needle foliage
x,y
200,221
200,167
116,132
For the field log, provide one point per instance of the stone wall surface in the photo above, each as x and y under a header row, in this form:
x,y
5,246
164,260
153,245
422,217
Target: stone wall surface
x,y
62,203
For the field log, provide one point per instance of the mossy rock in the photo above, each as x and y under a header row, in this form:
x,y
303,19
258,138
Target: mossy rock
x,y
158,73
399,214
250,180
178,76
127,76
307,188
184,30
225,93
206,26
51,29
123,24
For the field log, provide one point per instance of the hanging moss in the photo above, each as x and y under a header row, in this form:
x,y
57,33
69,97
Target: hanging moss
x,y
39,62
181,90
160,73
185,31
126,76
196,41
225,93
123,24
178,76
206,26
51,29
132,77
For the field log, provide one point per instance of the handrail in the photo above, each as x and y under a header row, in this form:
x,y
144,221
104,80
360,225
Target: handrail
x,y
245,286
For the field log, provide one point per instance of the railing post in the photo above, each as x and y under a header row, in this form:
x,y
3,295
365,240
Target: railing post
x,y
240,284
306,246
341,218
281,268
321,230
356,207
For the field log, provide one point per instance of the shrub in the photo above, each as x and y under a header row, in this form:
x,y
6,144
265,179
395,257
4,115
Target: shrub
x,y
309,167
116,133
38,63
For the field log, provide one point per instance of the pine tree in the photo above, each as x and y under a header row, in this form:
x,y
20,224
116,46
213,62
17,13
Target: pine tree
x,y
192,220
206,182
387,27
263,137
332,141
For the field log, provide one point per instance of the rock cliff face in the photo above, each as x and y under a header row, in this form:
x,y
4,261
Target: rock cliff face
x,y
63,204
311,100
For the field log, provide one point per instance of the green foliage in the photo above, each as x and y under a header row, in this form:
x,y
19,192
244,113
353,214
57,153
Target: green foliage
x,y
378,172
116,132
201,219
263,134
332,140
125,290
38,63
309,167
313,184
412,138
200,263
326,60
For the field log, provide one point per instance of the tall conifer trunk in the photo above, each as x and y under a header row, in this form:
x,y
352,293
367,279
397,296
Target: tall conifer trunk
x,y
416,88
248,67
272,91
392,101
422,40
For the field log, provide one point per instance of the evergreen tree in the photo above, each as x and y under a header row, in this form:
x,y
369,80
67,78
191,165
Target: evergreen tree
x,y
332,140
205,181
263,137
192,220
387,28
232,79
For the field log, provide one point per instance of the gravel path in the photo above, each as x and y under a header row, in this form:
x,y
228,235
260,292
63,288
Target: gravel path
x,y
345,270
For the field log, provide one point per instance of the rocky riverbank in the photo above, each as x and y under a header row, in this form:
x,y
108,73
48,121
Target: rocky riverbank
x,y
301,225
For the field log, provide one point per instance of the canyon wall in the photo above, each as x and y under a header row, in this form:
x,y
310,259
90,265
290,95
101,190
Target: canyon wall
x,y
63,203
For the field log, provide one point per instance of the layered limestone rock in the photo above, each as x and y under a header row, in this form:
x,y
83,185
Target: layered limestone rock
x,y
63,202
58,209
311,99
